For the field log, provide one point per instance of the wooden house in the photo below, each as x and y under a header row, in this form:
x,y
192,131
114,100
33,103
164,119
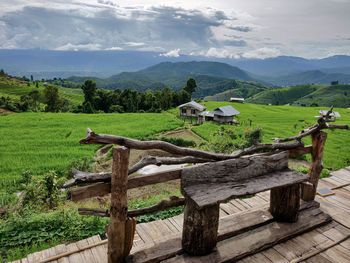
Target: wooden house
x,y
191,109
225,114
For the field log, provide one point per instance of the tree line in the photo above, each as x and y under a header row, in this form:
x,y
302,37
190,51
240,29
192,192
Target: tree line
x,y
100,100
128,100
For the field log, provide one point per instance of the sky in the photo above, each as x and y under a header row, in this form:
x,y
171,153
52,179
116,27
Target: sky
x,y
220,28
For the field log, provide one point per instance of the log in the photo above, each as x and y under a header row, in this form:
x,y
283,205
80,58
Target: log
x,y
300,151
318,143
87,178
156,160
337,126
217,182
119,206
163,204
266,146
93,138
285,203
101,189
200,228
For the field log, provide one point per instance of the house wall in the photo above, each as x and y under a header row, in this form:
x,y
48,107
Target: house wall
x,y
188,112
223,119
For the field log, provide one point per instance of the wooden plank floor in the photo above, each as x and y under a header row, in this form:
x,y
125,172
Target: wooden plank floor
x,y
147,234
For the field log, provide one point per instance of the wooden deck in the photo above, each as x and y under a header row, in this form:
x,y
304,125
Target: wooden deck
x,y
327,236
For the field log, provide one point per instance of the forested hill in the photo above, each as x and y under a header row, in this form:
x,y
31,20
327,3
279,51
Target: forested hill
x,y
306,95
211,77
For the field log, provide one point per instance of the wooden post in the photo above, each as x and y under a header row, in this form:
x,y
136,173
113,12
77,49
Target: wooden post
x,y
119,208
285,203
316,166
200,228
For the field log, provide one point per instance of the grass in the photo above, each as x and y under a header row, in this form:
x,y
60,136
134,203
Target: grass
x,y
285,121
15,89
40,142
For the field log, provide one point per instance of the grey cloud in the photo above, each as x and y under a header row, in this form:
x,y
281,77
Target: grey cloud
x,y
107,27
242,28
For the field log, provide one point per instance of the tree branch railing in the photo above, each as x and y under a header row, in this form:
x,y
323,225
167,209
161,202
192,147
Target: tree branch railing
x,y
97,184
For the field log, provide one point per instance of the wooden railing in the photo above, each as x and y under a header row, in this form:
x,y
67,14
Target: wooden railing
x,y
122,221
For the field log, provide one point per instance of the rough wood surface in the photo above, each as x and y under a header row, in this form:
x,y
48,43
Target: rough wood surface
x,y
217,182
200,228
93,138
300,151
285,203
119,205
163,204
100,189
318,143
229,226
253,241
156,160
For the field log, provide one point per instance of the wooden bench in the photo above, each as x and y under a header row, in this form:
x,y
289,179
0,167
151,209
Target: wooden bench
x,y
206,186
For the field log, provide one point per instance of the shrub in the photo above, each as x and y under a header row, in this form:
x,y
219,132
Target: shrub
x,y
179,141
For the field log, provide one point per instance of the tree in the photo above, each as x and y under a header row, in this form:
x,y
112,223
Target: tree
x,y
31,78
89,88
2,72
51,98
190,86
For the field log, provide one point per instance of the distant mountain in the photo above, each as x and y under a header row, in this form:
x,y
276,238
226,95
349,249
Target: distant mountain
x,y
285,65
306,95
309,77
211,77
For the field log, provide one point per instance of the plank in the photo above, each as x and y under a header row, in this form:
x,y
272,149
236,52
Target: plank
x,y
87,253
229,226
255,240
273,255
103,188
318,259
99,252
226,189
59,250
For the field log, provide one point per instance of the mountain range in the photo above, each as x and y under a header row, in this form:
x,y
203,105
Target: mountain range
x,y
149,70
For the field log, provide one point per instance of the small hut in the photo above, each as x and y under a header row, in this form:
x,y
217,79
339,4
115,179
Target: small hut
x,y
225,114
333,114
240,100
191,109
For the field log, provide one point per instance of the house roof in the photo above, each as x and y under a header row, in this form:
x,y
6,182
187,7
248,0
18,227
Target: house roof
x,y
241,99
226,111
333,113
193,104
207,114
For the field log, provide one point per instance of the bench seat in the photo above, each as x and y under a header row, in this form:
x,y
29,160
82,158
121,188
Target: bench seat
x,y
214,193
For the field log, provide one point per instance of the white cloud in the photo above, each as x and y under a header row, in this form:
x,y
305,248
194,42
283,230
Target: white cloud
x,y
264,52
134,44
172,53
219,53
114,48
70,46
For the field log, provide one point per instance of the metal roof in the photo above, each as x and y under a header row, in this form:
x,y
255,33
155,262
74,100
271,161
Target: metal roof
x,y
226,111
193,104
207,114
241,99
333,113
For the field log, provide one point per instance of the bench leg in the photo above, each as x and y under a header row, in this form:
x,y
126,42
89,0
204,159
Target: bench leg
x,y
200,228
285,203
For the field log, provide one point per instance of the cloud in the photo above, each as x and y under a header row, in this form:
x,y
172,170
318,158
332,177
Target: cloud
x,y
105,25
262,53
172,53
219,53
70,46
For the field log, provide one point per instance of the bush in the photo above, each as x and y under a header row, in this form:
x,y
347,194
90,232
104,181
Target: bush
x,y
179,141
